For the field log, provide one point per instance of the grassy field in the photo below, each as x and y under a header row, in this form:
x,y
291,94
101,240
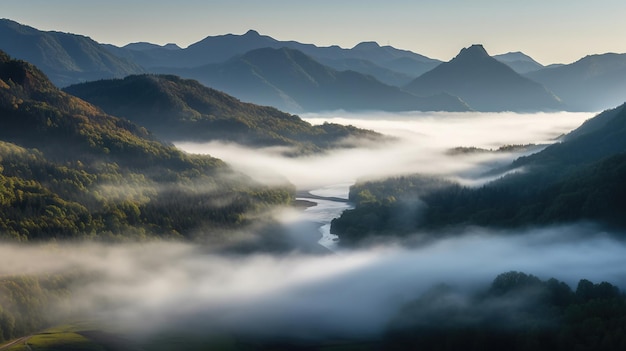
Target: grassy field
x,y
88,337
66,338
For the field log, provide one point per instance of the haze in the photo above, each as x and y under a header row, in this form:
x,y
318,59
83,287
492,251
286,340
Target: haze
x,y
150,288
422,146
438,29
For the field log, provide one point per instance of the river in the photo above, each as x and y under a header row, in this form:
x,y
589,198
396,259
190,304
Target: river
x,y
330,202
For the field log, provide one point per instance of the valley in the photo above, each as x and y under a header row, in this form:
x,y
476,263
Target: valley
x,y
422,176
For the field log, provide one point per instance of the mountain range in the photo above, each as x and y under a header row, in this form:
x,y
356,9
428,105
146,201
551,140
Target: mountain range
x,y
293,81
593,83
65,58
216,49
178,109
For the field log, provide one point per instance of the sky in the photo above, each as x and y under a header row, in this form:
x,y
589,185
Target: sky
x,y
553,31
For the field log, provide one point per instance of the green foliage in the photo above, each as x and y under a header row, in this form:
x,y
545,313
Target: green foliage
x,y
26,302
518,312
578,179
180,109
68,170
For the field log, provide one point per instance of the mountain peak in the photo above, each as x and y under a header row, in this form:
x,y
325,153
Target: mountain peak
x,y
514,56
366,45
476,51
252,33
484,83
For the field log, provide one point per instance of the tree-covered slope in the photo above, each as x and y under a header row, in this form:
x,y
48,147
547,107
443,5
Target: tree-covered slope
x,y
180,109
517,311
578,179
65,58
69,170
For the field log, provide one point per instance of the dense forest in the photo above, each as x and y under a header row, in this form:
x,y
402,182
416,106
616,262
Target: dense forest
x,y
178,109
69,170
517,312
577,179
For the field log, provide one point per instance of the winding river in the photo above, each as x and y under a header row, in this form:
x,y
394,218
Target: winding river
x,y
330,202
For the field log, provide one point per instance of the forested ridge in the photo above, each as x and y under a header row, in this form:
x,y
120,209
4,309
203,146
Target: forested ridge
x,y
179,109
577,179
518,311
69,170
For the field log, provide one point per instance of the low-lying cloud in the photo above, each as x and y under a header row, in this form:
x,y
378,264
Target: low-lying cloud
x,y
423,142
153,287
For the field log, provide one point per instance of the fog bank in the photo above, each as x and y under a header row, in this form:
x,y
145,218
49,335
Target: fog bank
x,y
161,286
422,146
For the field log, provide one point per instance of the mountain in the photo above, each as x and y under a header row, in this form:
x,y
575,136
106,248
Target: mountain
x,y
292,81
144,46
65,58
593,83
402,61
485,84
599,137
178,109
384,75
519,62
216,49
69,170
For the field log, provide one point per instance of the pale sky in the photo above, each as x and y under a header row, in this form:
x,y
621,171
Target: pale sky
x,y
551,31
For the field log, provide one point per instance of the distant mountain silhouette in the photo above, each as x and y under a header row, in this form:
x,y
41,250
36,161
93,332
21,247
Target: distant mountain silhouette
x,y
217,49
292,81
520,62
402,61
64,58
178,109
485,84
384,75
143,46
592,83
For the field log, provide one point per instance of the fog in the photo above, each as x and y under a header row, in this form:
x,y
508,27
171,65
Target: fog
x,y
153,287
422,146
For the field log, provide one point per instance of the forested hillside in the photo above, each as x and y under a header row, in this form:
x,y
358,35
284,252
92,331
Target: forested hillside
x,y
578,179
69,170
181,109
517,312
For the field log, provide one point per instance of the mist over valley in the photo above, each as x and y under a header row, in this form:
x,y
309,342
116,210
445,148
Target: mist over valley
x,y
251,193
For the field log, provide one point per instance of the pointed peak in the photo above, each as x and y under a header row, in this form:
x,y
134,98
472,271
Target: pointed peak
x,y
366,45
474,51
